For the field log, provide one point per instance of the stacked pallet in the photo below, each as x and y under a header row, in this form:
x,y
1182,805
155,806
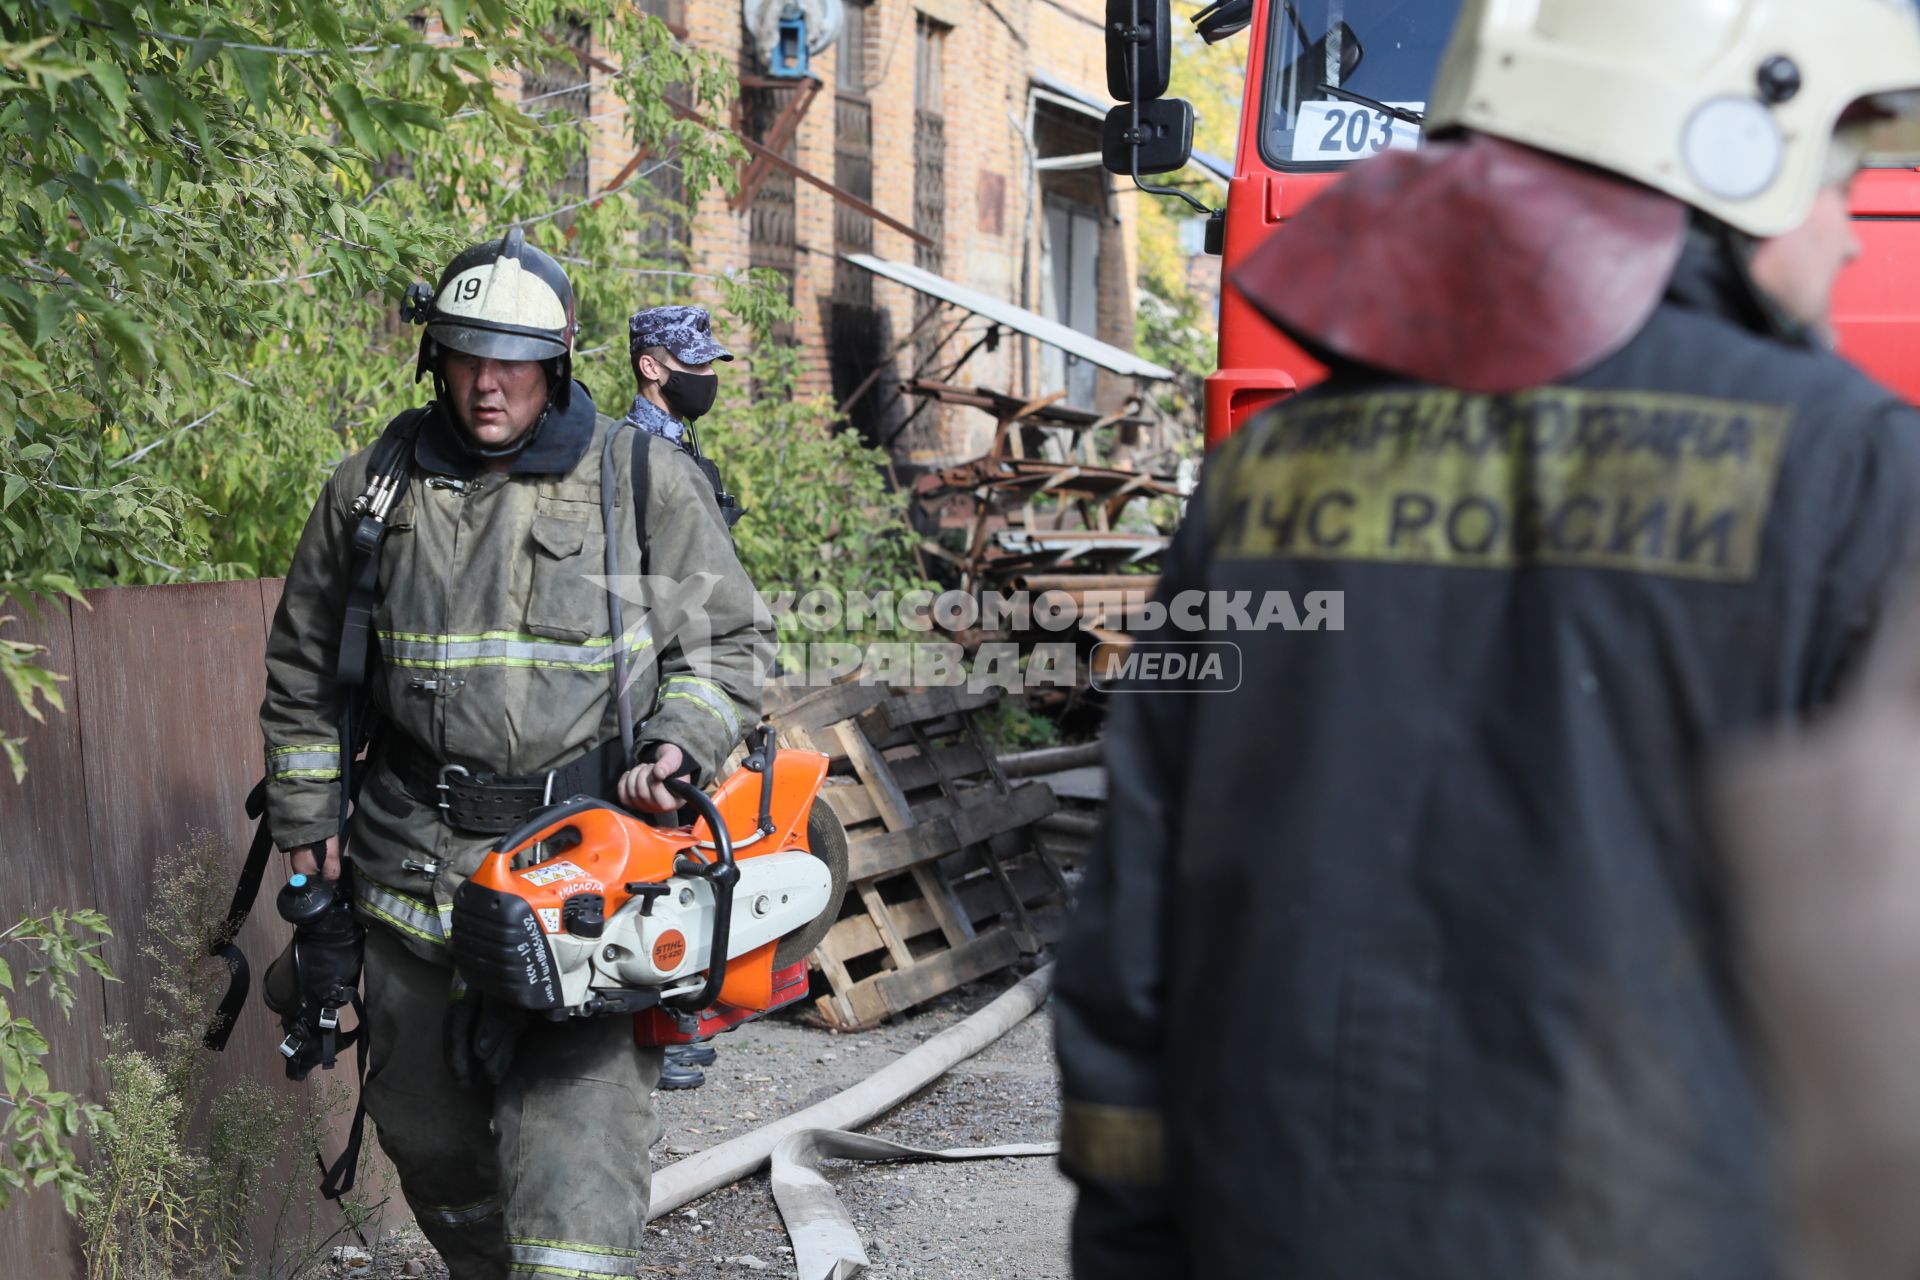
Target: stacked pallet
x,y
949,876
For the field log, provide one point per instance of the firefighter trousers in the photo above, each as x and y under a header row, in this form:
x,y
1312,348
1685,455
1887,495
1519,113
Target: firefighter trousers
x,y
543,1175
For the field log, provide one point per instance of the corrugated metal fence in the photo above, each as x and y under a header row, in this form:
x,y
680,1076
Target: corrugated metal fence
x,y
160,738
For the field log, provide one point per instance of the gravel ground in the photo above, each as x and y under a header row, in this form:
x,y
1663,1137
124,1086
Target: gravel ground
x,y
981,1220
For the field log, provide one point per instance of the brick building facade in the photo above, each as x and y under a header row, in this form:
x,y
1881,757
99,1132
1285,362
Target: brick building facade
x,y
974,121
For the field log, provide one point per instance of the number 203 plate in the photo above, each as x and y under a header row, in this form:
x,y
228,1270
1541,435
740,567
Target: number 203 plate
x,y
1333,132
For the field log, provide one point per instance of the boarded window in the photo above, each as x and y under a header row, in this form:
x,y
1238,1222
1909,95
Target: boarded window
x,y
660,194
561,87
1070,293
1077,222
852,173
665,229
671,12
852,160
929,164
929,49
859,340
771,217
850,51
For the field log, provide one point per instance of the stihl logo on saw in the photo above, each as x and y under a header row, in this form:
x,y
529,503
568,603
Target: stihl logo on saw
x,y
670,950
589,910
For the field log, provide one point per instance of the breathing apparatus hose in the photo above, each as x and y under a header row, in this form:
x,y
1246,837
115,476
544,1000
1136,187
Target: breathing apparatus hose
x,y
721,873
623,706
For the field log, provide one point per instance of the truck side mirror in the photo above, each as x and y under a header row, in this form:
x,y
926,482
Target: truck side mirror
x,y
1146,25
1346,46
1164,140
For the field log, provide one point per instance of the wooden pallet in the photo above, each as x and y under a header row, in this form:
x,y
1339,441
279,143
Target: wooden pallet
x,y
949,878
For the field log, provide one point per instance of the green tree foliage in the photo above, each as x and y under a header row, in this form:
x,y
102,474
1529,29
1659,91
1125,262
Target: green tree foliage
x,y
1210,76
37,1121
1176,328
240,194
209,211
33,687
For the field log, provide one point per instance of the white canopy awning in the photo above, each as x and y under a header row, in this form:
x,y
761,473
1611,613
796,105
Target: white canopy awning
x,y
1019,319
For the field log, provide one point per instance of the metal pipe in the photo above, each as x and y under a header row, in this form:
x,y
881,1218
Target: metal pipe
x,y
1025,764
1078,584
1078,160
1069,824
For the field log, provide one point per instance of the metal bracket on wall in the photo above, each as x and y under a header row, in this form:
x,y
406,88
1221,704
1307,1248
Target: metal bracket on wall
x,y
845,197
784,126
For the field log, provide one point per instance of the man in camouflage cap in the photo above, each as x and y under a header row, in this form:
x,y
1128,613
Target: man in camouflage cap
x,y
672,351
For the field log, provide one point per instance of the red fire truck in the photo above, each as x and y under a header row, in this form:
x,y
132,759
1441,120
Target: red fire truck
x,y
1331,82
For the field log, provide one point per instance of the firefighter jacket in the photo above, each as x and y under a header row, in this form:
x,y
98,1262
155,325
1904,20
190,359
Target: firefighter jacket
x,y
1408,956
494,644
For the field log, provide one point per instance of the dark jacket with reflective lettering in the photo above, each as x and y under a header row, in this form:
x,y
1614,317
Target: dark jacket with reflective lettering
x,y
1408,957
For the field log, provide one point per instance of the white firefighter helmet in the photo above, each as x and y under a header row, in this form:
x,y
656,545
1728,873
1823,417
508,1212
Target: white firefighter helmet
x,y
1728,105
504,300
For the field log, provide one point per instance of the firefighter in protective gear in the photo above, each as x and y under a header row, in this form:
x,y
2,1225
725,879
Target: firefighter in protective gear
x,y
522,1150
1434,889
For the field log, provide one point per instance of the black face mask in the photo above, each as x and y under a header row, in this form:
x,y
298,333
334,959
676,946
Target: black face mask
x,y
688,395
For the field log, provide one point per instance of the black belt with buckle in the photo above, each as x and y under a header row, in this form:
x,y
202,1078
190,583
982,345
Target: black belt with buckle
x,y
488,804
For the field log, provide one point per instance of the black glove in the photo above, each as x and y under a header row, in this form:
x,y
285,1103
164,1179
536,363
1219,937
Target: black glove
x,y
481,1035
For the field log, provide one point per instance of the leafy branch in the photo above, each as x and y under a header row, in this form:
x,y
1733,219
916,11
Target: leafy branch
x,y
39,1122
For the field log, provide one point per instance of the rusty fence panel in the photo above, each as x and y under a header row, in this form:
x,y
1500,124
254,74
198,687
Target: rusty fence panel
x,y
160,738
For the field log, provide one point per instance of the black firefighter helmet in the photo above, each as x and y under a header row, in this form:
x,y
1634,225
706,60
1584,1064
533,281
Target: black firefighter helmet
x,y
501,300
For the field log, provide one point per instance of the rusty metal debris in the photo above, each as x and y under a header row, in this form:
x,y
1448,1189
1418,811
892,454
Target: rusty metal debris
x,y
1043,510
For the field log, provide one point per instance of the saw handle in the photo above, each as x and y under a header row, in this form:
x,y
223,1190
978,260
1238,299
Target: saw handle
x,y
723,874
761,750
545,823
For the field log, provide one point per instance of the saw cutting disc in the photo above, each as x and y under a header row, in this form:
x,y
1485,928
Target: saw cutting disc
x,y
827,841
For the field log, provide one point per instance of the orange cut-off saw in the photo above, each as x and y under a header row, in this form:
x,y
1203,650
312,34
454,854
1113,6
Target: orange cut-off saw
x,y
589,910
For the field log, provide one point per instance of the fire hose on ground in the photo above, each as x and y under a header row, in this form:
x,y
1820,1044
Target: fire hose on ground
x,y
825,1244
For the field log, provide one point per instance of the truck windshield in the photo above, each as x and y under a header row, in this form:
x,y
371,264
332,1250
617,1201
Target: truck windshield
x,y
1384,50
